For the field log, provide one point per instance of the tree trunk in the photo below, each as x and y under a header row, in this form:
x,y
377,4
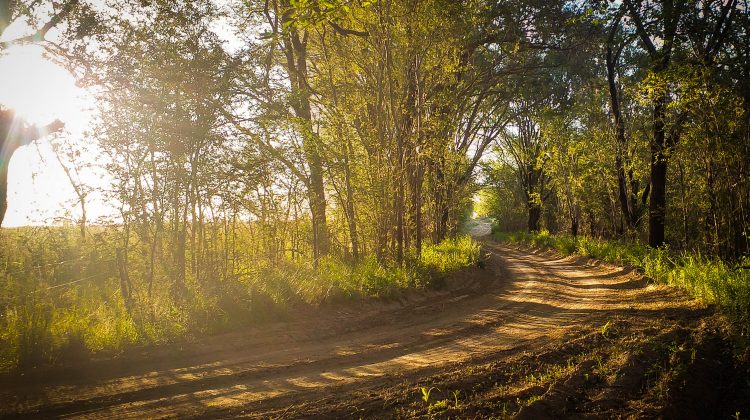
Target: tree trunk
x,y
621,149
3,189
417,208
77,188
350,214
295,50
14,134
399,214
685,237
321,244
659,156
125,285
535,213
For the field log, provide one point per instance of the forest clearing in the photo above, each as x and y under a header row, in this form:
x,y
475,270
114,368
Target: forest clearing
x,y
375,208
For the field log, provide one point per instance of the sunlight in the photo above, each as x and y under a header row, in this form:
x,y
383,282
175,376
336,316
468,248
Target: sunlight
x,y
38,89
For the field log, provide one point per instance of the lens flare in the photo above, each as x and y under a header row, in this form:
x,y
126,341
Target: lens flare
x,y
36,88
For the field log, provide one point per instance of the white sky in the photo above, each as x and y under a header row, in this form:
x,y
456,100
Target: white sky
x,y
40,91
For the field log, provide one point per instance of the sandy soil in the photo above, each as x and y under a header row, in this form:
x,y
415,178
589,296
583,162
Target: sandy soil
x,y
520,301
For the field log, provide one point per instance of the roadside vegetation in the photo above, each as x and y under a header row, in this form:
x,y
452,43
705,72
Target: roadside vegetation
x,y
63,298
726,285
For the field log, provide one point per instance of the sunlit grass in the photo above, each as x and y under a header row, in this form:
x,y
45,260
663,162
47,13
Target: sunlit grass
x,y
333,279
60,296
709,279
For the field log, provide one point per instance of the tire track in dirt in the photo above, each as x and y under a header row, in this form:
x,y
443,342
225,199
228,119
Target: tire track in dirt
x,y
520,299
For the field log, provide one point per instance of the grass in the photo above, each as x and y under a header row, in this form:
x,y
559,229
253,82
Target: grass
x,y
60,298
333,279
711,280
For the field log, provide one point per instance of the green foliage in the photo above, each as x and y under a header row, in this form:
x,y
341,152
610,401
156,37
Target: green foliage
x,y
709,279
334,279
503,198
60,295
438,406
455,394
450,255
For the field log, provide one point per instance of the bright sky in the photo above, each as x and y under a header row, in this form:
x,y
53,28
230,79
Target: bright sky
x,y
40,91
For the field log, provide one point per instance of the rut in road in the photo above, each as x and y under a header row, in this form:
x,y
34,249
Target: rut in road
x,y
520,299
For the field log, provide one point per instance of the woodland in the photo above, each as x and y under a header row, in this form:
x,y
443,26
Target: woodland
x,y
265,154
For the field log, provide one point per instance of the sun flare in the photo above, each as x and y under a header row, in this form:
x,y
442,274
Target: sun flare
x,y
38,89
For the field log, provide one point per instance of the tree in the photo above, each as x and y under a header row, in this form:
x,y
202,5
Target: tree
x,y
667,22
69,160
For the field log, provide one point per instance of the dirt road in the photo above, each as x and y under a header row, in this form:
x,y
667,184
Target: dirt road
x,y
519,301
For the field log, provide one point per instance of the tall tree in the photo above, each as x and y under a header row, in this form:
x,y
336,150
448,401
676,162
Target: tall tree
x,y
659,28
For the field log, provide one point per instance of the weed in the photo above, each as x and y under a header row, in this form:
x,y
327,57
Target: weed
x,y
426,393
455,394
438,405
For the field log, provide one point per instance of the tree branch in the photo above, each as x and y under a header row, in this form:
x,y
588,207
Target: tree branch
x,y
40,34
345,31
641,29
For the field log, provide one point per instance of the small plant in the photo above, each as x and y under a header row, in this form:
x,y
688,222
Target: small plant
x,y
601,366
426,393
439,405
605,329
533,399
455,394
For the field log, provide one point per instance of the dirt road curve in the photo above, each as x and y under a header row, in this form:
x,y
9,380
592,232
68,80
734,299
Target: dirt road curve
x,y
519,300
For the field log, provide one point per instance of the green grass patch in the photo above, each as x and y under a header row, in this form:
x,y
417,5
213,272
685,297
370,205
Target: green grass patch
x,y
334,279
60,299
711,280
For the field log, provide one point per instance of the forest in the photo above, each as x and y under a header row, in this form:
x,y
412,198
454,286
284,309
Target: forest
x,y
261,156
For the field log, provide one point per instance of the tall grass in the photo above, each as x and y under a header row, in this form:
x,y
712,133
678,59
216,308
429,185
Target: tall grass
x,y
709,279
60,298
334,279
